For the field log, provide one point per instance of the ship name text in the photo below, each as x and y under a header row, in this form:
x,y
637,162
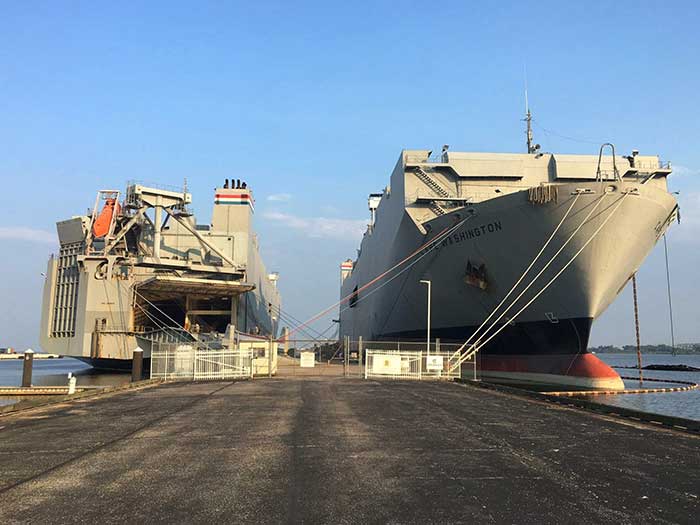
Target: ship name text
x,y
470,233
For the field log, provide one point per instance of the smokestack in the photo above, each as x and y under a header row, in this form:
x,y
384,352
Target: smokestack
x,y
345,269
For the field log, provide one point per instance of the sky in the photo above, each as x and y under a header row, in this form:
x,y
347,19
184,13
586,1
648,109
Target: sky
x,y
311,103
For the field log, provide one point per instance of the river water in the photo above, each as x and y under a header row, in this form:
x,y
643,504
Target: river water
x,y
679,404
54,372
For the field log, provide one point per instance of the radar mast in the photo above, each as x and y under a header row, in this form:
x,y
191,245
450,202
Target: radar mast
x,y
531,146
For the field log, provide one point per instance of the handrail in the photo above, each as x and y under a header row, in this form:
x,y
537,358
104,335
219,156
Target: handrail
x,y
599,173
421,159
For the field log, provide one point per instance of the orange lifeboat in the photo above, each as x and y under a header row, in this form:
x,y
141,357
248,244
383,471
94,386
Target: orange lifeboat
x,y
100,227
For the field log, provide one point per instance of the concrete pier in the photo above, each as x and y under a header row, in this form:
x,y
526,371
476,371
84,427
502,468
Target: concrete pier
x,y
337,450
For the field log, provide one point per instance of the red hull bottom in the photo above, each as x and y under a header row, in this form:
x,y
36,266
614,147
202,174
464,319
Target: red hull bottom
x,y
579,371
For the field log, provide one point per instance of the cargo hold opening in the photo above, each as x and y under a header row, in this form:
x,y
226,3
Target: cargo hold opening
x,y
196,305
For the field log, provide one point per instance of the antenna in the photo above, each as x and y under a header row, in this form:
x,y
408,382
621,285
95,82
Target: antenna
x,y
531,147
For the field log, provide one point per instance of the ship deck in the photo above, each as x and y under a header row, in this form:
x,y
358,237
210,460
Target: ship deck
x,y
337,450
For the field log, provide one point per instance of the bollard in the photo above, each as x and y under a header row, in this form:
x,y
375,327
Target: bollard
x,y
27,368
71,383
137,365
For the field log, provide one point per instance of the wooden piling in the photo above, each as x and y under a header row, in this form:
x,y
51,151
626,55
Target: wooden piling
x,y
27,368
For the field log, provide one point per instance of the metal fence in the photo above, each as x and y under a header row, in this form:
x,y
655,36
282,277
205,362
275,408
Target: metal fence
x,y
451,353
192,363
407,364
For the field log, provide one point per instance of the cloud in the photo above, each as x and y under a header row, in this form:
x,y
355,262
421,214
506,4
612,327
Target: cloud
x,y
320,227
327,208
22,233
279,197
684,171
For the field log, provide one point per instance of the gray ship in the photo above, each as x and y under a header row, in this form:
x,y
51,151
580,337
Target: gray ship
x,y
558,236
138,269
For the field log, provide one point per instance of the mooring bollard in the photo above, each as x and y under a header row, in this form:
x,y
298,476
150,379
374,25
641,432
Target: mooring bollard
x,y
27,368
137,365
71,383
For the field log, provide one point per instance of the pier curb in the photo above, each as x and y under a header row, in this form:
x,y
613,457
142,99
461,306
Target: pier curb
x,y
652,420
92,392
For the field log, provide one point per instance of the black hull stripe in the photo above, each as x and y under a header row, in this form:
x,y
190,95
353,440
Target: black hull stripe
x,y
564,337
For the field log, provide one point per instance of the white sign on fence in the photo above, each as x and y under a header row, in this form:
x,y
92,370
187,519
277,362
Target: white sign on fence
x,y
307,359
433,363
386,364
404,364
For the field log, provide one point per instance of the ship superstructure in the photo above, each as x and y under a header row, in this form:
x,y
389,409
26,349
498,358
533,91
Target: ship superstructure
x,y
602,214
139,269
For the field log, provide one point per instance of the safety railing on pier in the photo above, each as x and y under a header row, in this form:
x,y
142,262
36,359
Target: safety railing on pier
x,y
348,357
191,362
420,365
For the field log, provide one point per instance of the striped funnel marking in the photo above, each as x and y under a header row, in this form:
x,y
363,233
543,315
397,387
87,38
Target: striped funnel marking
x,y
235,199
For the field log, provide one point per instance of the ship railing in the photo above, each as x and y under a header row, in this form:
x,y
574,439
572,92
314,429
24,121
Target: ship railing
x,y
435,158
156,185
653,165
169,335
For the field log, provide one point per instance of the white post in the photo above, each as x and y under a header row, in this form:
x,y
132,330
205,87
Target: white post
x,y
429,294
71,383
359,354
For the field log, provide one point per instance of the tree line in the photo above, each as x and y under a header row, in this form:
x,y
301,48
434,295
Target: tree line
x,y
685,348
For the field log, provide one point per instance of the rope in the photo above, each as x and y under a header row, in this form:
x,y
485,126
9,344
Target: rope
x,y
204,343
294,321
605,221
636,326
551,260
574,139
670,305
289,320
442,234
517,283
162,326
402,271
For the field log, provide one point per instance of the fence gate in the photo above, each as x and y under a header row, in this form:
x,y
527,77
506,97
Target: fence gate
x,y
191,363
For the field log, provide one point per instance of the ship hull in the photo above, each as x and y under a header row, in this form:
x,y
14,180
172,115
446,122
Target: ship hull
x,y
115,365
541,340
549,355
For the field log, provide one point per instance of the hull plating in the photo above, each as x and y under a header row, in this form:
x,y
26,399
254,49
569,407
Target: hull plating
x,y
500,241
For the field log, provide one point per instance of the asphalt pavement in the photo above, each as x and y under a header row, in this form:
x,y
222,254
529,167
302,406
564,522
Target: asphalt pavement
x,y
339,450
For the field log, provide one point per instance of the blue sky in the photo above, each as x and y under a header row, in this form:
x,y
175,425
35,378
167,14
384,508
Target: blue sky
x,y
311,103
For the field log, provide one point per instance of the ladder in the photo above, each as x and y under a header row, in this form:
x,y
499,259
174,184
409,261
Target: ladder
x,y
436,208
431,183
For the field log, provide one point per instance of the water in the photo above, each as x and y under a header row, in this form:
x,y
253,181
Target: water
x,y
679,404
54,372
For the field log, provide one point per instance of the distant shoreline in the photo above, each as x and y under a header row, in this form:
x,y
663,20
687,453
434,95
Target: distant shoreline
x,y
678,351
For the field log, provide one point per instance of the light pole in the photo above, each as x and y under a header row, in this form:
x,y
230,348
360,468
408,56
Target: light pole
x,y
429,293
